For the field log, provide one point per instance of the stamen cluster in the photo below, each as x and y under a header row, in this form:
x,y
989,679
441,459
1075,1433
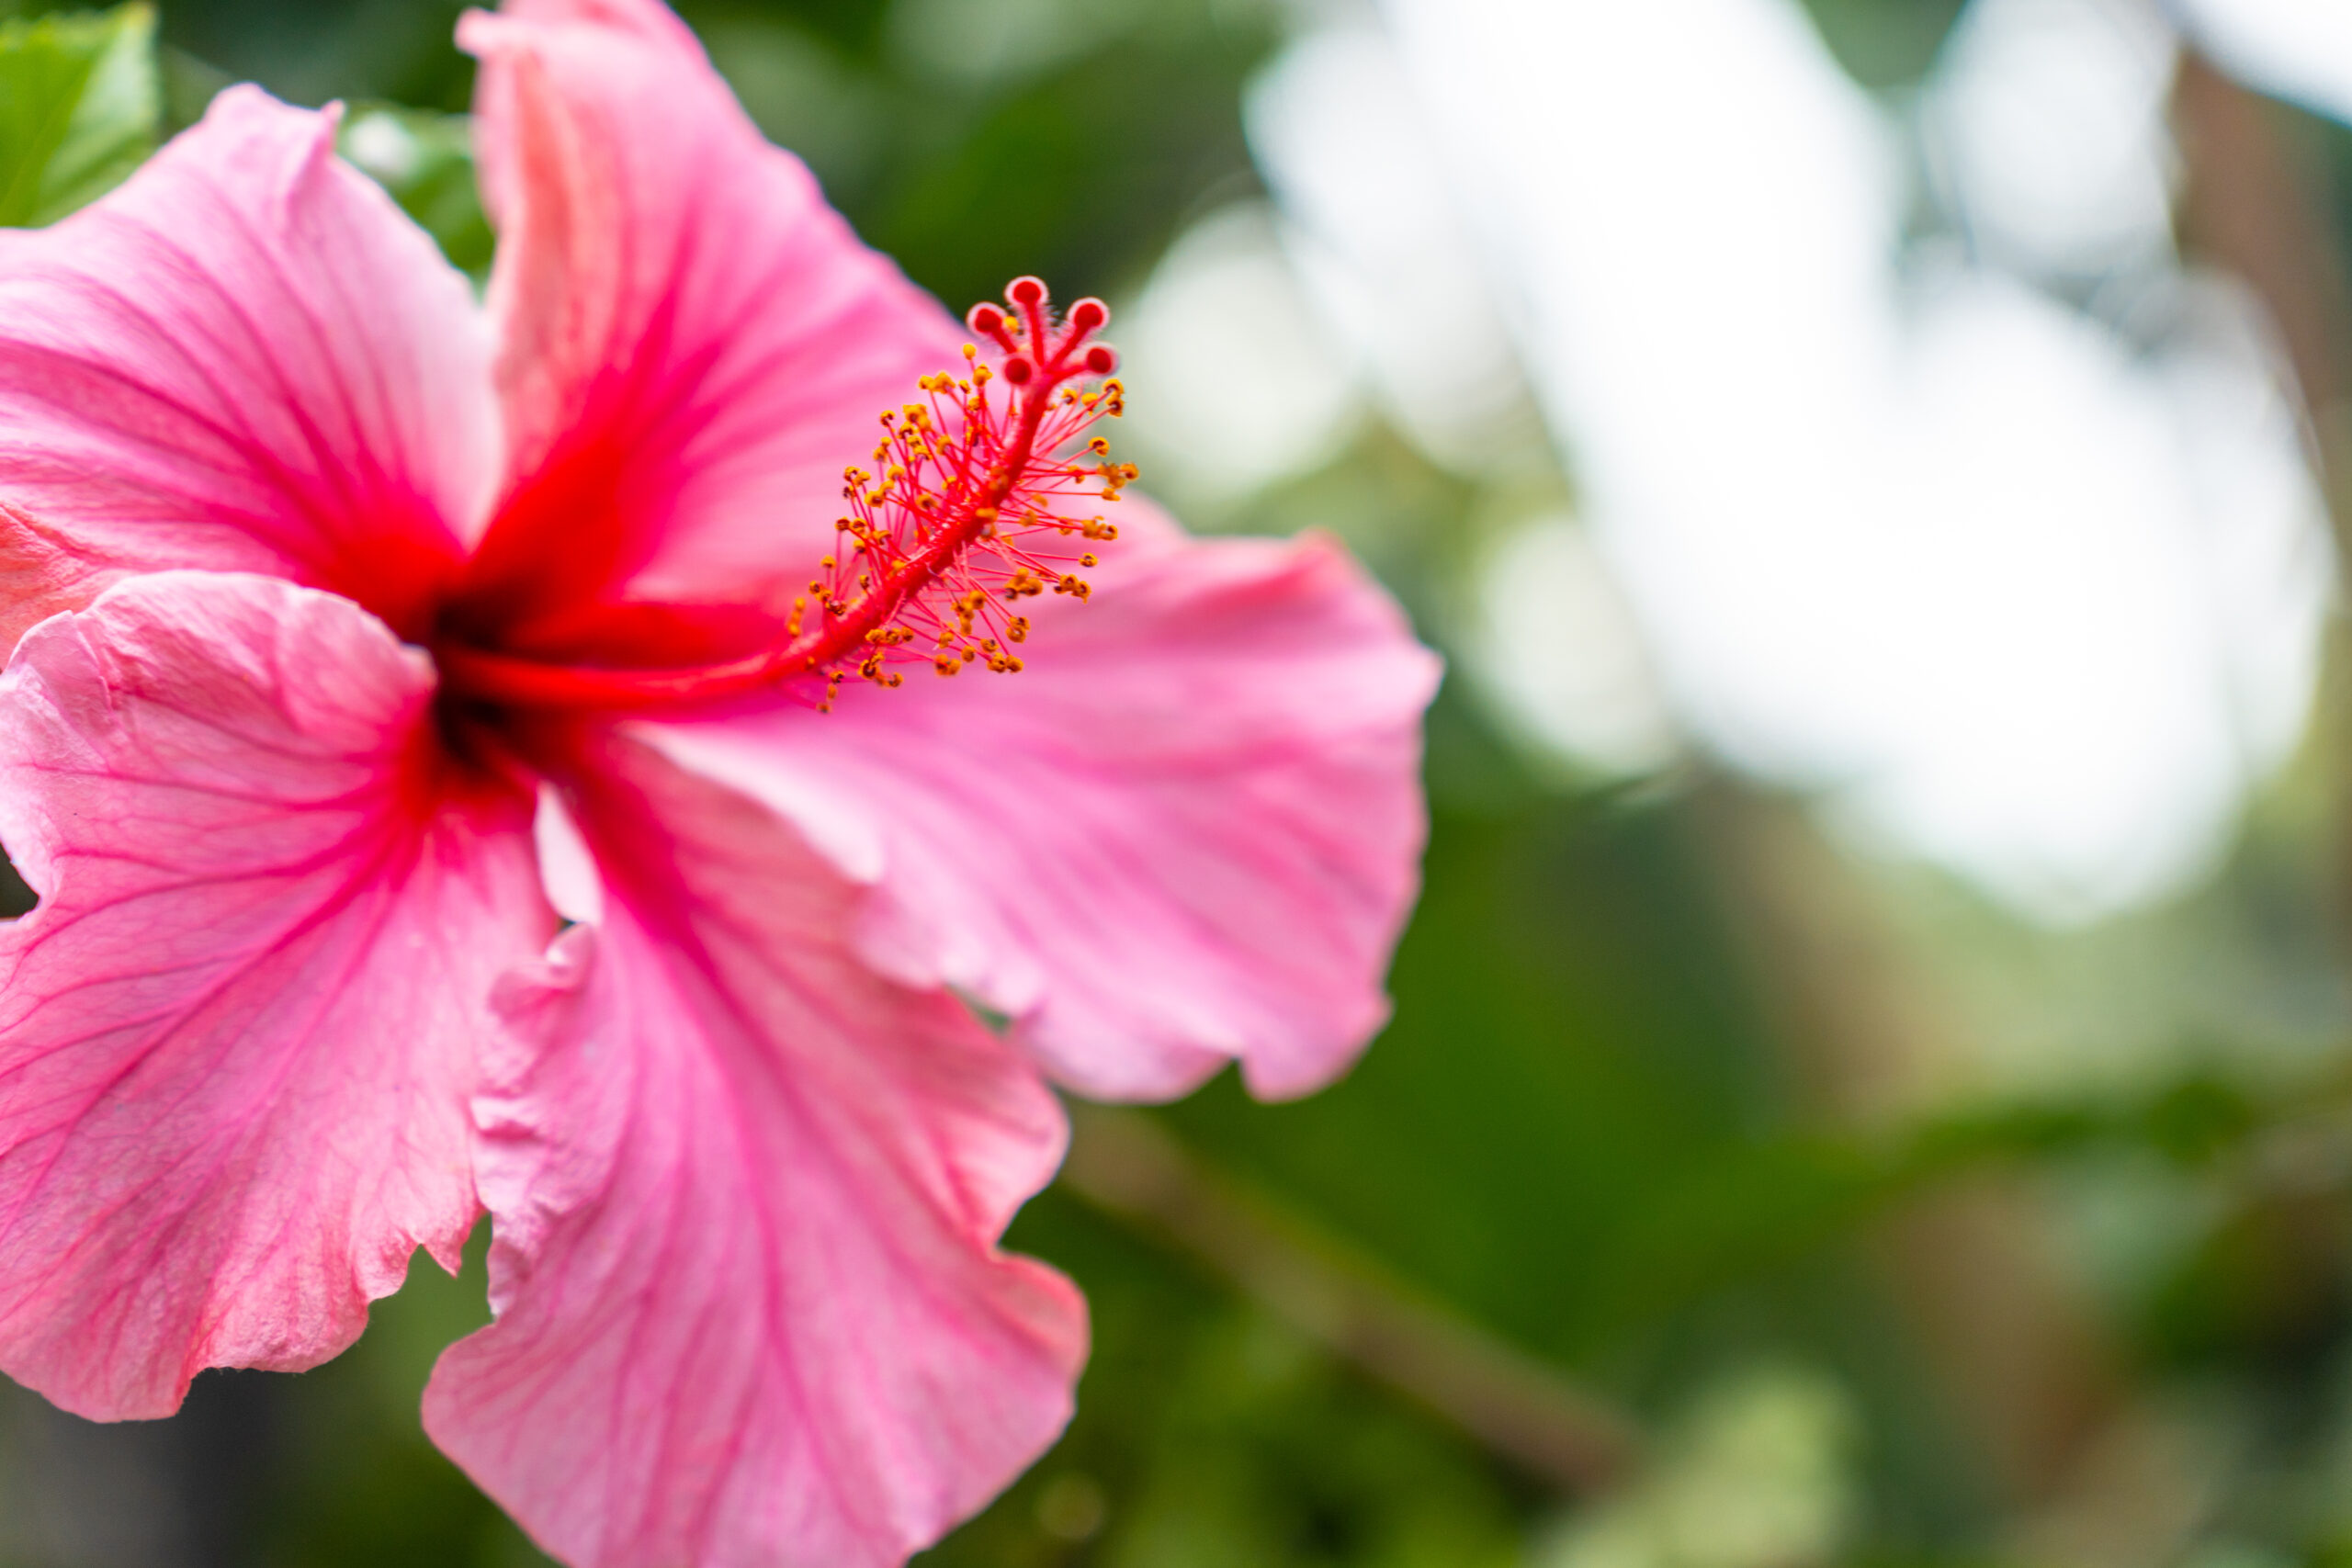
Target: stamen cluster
x,y
967,511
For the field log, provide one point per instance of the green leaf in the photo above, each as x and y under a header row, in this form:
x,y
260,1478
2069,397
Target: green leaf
x,y
426,160
80,104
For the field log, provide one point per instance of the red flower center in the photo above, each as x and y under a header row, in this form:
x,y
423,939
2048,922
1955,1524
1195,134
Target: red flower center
x,y
966,514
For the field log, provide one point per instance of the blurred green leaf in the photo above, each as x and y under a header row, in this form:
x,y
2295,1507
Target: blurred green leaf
x,y
1569,1039
387,51
1080,172
354,1482
1757,1205
426,160
80,105
2267,1287
1884,43
1207,1433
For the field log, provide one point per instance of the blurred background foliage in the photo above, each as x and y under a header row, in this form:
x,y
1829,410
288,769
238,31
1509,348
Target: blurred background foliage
x,y
1720,1197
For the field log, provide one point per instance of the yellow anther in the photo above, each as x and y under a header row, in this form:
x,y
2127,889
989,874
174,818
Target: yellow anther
x,y
941,531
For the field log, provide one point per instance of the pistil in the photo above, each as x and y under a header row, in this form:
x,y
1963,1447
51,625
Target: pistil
x,y
965,517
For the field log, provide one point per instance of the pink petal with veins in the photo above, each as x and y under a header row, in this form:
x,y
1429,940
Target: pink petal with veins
x,y
236,1037
749,1159
246,358
694,343
1187,832
747,1195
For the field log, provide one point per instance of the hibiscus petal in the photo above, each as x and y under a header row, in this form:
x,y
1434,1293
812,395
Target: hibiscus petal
x,y
694,343
746,1197
236,1037
244,358
1188,830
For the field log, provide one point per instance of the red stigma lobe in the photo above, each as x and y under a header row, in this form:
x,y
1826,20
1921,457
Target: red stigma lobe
x,y
966,514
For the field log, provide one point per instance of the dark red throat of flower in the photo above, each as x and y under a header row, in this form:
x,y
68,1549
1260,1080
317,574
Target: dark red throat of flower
x,y
967,513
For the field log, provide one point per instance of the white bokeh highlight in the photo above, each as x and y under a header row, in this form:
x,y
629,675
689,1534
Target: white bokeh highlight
x,y
1378,240
1556,647
2299,50
2023,595
1238,385
2045,119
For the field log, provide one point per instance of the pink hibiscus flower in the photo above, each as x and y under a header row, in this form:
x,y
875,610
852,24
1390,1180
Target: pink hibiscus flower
x,y
359,630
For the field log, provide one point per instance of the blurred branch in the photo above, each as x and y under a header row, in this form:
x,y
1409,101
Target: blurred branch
x,y
1126,1164
2254,207
2251,208
1872,1050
